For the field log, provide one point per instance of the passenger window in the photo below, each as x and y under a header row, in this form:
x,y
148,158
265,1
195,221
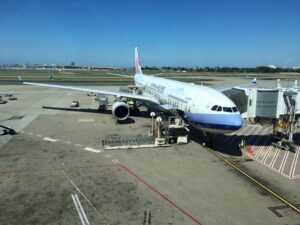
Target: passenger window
x,y
219,109
214,108
227,109
234,109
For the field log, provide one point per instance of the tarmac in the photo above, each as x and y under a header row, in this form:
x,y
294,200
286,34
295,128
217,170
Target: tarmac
x,y
54,171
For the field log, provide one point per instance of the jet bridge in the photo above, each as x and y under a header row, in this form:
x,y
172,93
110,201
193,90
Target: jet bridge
x,y
279,106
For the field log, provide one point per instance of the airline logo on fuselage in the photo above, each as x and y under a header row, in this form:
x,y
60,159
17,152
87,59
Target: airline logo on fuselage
x,y
157,87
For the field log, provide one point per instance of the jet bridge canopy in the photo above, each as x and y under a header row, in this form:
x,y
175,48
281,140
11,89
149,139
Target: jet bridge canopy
x,y
272,103
280,106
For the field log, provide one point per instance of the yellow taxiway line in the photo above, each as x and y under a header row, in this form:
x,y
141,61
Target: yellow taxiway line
x,y
256,181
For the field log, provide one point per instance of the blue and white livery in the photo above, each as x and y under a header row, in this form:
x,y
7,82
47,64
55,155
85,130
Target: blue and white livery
x,y
202,107
205,108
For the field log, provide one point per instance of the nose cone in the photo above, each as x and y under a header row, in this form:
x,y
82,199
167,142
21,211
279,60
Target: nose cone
x,y
235,121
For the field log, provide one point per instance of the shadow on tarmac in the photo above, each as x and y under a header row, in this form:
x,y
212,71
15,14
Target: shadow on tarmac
x,y
215,143
129,120
6,130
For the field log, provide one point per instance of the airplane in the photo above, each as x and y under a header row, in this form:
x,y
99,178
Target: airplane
x,y
205,108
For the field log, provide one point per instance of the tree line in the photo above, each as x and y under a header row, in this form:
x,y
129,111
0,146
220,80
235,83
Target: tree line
x,y
259,69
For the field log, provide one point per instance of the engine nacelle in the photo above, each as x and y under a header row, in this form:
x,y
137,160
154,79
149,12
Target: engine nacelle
x,y
120,110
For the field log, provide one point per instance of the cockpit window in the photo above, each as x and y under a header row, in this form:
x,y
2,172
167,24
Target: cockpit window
x,y
214,108
227,109
234,109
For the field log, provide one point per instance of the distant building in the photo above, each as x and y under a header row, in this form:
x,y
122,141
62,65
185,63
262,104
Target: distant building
x,y
272,66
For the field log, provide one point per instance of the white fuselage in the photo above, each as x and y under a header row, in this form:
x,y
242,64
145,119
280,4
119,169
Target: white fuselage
x,y
204,108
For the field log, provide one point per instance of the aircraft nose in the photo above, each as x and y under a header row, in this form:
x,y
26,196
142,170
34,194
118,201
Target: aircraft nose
x,y
236,121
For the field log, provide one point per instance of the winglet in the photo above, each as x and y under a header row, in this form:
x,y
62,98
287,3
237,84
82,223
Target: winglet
x,y
254,81
138,69
20,79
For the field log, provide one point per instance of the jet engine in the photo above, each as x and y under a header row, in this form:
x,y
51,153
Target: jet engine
x,y
120,110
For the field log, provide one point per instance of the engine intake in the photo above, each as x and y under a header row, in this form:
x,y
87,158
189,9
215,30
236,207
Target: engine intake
x,y
120,110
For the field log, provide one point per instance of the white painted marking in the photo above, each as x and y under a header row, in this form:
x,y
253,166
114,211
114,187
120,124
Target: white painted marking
x,y
83,195
252,128
258,152
256,141
282,165
261,135
107,155
82,211
257,132
49,139
267,153
86,120
30,133
294,164
240,133
77,208
91,149
272,169
117,161
245,132
274,158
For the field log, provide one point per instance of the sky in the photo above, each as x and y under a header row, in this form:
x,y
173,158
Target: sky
x,y
168,32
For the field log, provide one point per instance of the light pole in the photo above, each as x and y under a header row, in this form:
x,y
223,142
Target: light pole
x,y
158,120
152,114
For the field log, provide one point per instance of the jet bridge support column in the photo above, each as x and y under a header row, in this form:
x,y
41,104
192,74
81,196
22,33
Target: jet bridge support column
x,y
291,103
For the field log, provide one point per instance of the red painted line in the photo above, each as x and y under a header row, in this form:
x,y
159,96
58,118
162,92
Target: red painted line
x,y
295,160
258,152
274,158
161,195
53,169
267,154
282,165
294,177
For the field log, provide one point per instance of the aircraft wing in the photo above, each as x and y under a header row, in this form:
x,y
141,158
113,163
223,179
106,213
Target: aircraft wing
x,y
121,75
105,92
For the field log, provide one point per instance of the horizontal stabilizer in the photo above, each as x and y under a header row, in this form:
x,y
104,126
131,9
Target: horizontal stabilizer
x,y
222,89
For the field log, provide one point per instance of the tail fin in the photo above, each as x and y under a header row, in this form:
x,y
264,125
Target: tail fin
x,y
20,79
138,69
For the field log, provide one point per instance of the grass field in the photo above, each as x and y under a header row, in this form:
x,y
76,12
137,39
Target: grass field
x,y
105,76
